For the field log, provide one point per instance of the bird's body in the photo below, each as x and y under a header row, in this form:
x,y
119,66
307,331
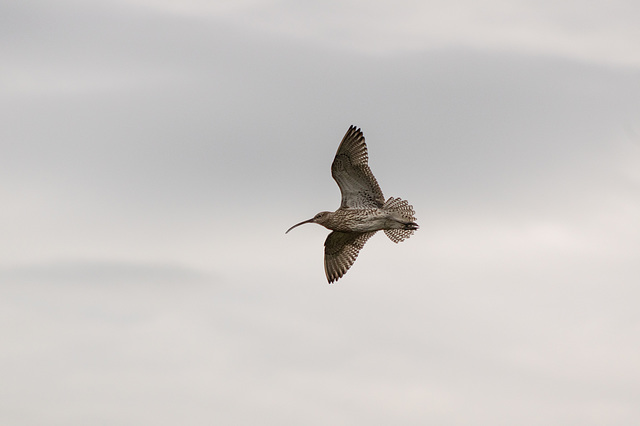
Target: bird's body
x,y
363,210
356,220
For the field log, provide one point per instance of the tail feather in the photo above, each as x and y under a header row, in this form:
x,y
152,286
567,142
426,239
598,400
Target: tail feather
x,y
406,212
398,235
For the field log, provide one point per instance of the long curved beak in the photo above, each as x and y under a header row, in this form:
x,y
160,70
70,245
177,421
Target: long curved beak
x,y
298,224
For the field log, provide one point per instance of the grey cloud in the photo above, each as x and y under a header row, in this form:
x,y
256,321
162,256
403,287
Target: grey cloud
x,y
273,110
100,272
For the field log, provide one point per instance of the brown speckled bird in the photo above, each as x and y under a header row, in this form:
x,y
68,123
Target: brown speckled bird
x,y
363,210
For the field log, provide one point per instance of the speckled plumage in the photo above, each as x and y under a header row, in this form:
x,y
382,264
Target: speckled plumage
x,y
363,210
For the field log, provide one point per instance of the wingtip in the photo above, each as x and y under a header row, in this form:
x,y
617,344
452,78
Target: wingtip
x,y
332,279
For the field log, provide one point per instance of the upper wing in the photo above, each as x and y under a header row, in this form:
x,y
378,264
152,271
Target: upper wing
x,y
341,250
352,173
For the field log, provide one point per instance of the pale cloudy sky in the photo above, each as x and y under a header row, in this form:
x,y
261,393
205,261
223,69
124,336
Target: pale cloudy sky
x,y
153,152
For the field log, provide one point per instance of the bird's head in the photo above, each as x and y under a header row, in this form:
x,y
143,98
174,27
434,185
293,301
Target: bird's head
x,y
320,218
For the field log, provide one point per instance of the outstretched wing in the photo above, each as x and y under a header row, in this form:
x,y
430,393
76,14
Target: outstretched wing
x,y
341,250
352,173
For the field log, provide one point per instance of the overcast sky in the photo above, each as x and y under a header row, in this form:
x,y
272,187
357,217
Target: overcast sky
x,y
153,152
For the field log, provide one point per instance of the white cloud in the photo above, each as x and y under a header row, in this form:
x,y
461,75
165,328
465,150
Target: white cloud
x,y
602,32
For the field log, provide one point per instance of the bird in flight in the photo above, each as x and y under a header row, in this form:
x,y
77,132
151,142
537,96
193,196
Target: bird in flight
x,y
363,210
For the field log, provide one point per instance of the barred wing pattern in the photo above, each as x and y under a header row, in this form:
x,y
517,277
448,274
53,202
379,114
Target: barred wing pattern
x,y
341,250
351,172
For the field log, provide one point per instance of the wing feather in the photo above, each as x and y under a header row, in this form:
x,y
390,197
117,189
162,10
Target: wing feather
x,y
351,172
341,250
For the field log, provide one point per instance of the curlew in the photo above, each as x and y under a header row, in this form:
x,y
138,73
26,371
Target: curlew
x,y
363,210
